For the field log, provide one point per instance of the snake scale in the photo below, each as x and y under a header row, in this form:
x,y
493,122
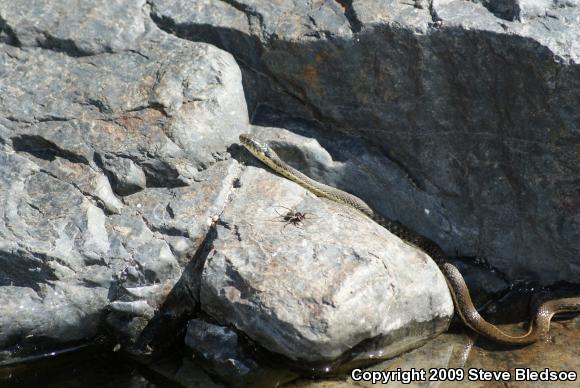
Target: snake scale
x,y
540,323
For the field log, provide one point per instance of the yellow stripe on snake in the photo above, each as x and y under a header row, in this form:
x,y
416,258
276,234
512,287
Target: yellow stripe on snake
x,y
540,323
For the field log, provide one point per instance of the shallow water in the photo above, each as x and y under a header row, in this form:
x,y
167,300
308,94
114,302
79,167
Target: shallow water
x,y
90,367
451,351
460,358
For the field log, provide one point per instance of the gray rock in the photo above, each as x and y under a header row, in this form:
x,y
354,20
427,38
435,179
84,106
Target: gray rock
x,y
364,172
219,346
314,291
225,354
522,10
127,177
187,211
479,111
103,117
77,27
347,163
54,267
267,21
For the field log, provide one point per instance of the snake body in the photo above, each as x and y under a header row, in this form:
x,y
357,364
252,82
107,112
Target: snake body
x,y
539,325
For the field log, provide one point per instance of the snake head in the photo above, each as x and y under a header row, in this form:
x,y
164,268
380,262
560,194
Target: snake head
x,y
254,145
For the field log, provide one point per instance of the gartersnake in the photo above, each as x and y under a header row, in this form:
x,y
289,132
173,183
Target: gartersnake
x,y
540,323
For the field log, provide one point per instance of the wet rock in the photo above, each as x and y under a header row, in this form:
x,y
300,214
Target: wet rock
x,y
314,290
232,359
102,118
451,351
219,347
484,283
228,357
479,111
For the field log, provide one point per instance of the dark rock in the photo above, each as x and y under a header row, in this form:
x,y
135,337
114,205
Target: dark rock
x,y
126,177
233,359
219,347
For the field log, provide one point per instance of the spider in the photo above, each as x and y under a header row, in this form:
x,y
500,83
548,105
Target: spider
x,y
291,217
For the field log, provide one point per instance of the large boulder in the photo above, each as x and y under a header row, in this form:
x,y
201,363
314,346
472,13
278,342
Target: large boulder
x,y
113,167
479,108
315,289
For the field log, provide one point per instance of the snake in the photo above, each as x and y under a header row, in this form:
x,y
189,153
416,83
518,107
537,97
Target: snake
x,y
539,325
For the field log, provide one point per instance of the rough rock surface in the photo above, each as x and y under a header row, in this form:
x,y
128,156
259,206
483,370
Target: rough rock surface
x,y
476,102
109,178
315,290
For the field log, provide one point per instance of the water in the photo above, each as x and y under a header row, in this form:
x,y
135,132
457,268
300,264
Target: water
x,y
89,367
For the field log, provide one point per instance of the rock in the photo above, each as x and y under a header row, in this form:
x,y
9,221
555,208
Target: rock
x,y
521,10
479,111
126,177
313,291
226,355
347,163
78,28
219,346
54,271
484,284
103,117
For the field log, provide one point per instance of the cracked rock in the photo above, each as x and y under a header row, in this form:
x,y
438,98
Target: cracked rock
x,y
127,177
101,112
72,26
